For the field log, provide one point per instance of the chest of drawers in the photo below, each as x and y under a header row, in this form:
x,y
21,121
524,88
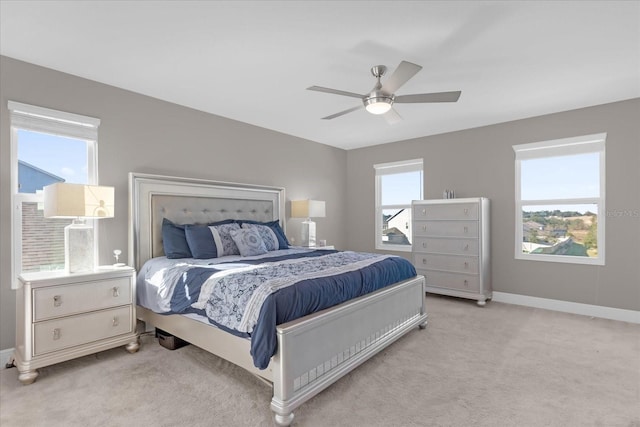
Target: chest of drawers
x,y
61,316
451,246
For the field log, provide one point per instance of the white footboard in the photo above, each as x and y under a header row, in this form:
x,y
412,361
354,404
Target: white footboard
x,y
316,351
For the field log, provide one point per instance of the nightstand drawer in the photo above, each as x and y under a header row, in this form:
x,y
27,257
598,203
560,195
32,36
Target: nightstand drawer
x,y
71,331
446,211
446,246
56,301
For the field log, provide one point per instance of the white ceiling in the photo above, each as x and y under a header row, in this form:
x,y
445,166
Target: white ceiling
x,y
252,61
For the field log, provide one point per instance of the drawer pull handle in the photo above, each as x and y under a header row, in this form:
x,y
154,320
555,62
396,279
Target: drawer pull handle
x,y
466,282
424,211
466,211
115,321
466,247
424,228
424,260
466,264
466,229
56,334
116,291
57,300
424,244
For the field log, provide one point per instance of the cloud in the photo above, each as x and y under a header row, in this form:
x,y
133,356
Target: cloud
x,y
67,172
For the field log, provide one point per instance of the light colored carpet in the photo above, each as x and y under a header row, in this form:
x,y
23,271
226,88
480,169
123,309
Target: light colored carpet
x,y
501,365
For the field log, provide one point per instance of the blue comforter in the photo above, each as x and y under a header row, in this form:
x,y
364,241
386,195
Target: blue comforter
x,y
250,297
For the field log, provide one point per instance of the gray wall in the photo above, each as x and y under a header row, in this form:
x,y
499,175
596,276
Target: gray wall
x,y
143,134
480,162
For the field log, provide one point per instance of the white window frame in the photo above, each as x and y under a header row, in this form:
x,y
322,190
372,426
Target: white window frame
x,y
39,119
381,169
562,147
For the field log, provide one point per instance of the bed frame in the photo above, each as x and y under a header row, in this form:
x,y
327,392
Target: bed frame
x,y
314,351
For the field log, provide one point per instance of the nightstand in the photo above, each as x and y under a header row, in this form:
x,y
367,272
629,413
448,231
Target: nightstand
x,y
61,316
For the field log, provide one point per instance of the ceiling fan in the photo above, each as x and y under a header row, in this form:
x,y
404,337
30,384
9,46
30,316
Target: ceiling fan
x,y
382,97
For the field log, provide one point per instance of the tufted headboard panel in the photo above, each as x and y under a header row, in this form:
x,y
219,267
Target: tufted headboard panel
x,y
191,201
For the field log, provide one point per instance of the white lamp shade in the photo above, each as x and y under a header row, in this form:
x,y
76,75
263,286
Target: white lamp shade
x,y
63,200
378,106
307,209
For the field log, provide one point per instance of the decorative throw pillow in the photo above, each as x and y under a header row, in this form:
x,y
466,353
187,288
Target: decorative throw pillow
x,y
202,239
224,241
267,234
283,243
174,241
248,241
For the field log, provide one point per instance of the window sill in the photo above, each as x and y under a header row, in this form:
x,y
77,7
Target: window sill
x,y
562,259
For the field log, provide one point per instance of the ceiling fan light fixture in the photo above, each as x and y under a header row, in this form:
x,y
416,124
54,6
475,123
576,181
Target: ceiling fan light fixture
x,y
378,105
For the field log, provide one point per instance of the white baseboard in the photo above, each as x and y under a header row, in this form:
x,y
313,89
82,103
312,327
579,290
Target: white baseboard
x,y
5,357
620,314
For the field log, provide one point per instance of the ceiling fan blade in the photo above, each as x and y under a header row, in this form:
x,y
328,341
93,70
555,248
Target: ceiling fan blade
x,y
342,113
392,117
335,91
400,76
428,97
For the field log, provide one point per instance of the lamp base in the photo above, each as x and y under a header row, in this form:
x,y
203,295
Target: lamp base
x,y
78,247
308,233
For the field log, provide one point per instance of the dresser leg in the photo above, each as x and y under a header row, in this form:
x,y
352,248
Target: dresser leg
x,y
28,377
482,303
133,346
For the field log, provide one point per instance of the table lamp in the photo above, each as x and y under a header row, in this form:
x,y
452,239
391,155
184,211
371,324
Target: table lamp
x,y
78,201
308,209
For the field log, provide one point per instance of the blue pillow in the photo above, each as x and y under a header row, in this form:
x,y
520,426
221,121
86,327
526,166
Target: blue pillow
x,y
248,241
174,241
283,243
200,241
211,241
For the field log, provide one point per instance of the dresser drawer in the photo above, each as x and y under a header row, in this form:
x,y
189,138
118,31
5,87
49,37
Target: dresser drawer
x,y
64,300
451,280
456,211
460,264
446,246
52,335
446,228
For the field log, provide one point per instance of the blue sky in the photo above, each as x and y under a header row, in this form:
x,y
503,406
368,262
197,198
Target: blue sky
x,y
561,177
401,188
64,157
572,176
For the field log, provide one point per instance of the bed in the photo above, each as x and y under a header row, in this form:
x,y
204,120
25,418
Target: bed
x,y
312,351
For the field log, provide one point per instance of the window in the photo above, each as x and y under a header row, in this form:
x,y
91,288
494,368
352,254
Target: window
x,y
397,184
560,200
47,146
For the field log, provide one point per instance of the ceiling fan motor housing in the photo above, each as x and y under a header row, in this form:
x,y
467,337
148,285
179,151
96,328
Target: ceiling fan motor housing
x,y
378,102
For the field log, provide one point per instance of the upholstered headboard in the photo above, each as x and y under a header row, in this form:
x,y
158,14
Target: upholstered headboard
x,y
191,201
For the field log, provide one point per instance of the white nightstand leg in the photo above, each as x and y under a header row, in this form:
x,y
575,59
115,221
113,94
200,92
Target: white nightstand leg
x,y
28,377
133,346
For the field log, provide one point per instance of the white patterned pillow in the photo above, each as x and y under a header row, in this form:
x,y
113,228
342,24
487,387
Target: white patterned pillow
x,y
266,233
248,241
223,240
